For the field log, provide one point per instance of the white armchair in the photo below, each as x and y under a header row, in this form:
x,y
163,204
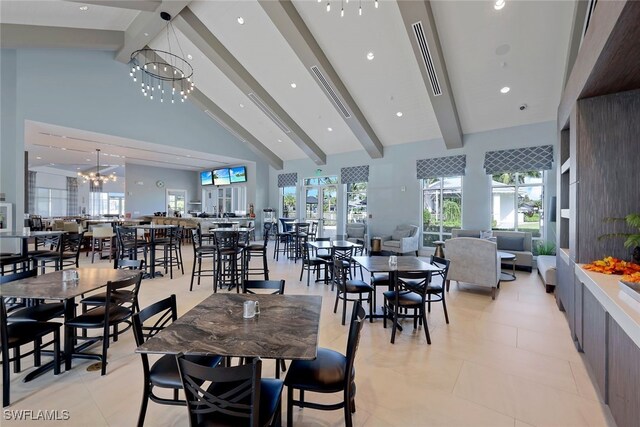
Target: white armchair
x,y
356,231
474,261
405,238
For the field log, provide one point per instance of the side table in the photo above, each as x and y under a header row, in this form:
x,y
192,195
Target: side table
x,y
504,276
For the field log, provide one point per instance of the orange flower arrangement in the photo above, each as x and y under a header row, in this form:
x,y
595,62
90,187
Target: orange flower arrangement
x,y
611,265
633,278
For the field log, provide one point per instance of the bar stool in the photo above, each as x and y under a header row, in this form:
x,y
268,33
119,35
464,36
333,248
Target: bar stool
x,y
257,249
202,253
282,238
228,253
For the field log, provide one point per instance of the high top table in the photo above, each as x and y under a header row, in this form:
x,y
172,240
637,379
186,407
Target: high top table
x,y
25,237
51,287
152,245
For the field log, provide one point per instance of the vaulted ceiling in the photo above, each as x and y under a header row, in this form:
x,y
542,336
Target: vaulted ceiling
x,y
376,86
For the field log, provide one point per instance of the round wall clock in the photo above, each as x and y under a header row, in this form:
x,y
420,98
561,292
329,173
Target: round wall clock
x,y
160,184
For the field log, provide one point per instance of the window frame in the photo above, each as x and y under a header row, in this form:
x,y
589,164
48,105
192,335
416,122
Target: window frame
x,y
64,197
282,195
441,233
348,192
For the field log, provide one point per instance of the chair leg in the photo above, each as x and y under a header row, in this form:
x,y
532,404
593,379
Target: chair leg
x,y
144,404
289,405
426,326
335,307
395,325
5,379
444,306
344,307
193,273
37,353
265,266
348,422
105,344
56,352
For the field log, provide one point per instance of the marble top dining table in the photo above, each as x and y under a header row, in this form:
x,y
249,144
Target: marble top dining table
x,y
334,244
286,328
380,264
20,234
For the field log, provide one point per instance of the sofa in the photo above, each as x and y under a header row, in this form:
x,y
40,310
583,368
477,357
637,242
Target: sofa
x,y
405,238
474,261
547,270
356,232
518,243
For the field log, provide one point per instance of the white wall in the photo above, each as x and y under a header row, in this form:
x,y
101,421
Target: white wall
x,y
389,205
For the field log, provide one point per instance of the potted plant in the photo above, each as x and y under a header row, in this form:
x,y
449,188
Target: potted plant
x,y
632,239
544,247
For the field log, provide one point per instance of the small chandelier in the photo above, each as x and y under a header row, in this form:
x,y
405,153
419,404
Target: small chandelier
x,y
96,177
161,74
342,2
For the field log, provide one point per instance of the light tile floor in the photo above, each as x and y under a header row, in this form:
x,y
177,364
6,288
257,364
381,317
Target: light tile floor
x,y
508,362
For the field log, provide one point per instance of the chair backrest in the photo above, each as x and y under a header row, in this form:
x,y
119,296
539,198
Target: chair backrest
x,y
301,227
343,253
474,261
132,284
72,242
415,281
356,230
232,392
102,232
18,276
444,265
130,264
164,312
249,286
226,239
70,226
266,231
340,273
357,321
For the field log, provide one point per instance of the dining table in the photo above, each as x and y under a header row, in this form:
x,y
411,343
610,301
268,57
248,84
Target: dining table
x,y
286,328
152,229
24,237
50,286
380,264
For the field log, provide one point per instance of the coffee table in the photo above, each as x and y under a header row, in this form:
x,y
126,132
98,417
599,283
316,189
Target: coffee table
x,y
506,276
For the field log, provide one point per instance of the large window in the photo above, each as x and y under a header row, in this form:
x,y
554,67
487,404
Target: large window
x,y
288,201
357,202
51,202
106,203
441,208
517,202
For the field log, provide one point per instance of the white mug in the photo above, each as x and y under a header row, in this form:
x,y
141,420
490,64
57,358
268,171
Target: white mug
x,y
250,309
393,261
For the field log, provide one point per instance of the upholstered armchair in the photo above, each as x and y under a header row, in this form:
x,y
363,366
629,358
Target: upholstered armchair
x,y
474,261
356,231
405,238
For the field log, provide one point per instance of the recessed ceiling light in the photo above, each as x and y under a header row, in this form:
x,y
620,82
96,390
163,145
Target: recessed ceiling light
x,y
39,158
177,158
293,85
399,114
189,56
240,20
279,140
84,8
505,89
146,34
88,160
52,164
78,169
330,129
499,4
64,149
370,56
188,155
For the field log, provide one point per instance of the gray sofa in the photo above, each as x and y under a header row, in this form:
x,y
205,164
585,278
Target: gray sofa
x,y
405,238
547,270
518,243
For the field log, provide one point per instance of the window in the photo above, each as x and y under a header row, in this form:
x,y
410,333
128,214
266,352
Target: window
x,y
106,203
288,202
51,202
516,202
232,199
441,208
357,202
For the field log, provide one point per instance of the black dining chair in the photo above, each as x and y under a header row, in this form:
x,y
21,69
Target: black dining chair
x,y
311,263
282,238
34,311
228,254
436,290
346,287
329,372
201,253
163,373
123,295
14,335
114,312
230,396
258,250
410,293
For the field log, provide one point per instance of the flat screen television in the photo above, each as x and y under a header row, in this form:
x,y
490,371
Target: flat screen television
x,y
221,177
206,178
238,174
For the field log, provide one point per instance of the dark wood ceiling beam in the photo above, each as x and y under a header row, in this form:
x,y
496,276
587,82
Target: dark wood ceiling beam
x,y
288,21
444,106
195,30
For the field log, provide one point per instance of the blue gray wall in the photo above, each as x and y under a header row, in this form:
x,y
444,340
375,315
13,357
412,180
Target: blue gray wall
x,y
391,205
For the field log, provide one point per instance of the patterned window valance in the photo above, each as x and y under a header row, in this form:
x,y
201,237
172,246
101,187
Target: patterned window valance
x,y
354,174
287,179
519,160
441,166
72,196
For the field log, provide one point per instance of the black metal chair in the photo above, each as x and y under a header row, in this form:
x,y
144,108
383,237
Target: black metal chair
x,y
410,293
260,250
283,238
230,396
171,247
122,295
329,372
299,237
130,244
311,263
228,253
32,311
250,286
163,373
346,287
114,312
71,246
343,254
16,334
202,253
436,291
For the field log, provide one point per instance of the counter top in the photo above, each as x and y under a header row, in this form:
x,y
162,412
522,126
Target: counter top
x,y
620,306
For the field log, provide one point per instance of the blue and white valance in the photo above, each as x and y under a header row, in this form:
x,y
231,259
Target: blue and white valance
x,y
441,166
353,174
287,179
519,160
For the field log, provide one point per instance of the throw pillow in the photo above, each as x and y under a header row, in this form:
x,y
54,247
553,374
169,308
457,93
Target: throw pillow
x,y
355,232
468,233
400,234
511,243
486,234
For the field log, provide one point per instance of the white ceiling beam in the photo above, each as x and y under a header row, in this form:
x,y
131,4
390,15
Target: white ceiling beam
x,y
147,23
288,21
142,5
17,36
189,24
230,125
433,69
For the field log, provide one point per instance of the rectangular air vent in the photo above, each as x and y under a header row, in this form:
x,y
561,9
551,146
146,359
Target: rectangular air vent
x,y
224,125
330,92
418,31
262,106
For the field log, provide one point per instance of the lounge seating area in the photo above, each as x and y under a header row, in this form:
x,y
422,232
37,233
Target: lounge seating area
x,y
404,239
518,243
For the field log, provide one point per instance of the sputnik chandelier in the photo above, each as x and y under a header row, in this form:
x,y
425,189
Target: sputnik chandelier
x,y
342,2
162,74
96,177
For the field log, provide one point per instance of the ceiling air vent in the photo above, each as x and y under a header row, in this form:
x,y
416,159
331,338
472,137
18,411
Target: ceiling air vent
x,y
418,31
262,106
224,125
329,91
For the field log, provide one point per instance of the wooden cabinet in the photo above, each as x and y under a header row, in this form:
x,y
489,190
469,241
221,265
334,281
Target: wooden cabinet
x,y
594,337
566,290
623,365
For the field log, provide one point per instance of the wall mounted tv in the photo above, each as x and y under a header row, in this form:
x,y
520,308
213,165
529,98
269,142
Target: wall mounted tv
x,y
238,174
206,178
221,177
